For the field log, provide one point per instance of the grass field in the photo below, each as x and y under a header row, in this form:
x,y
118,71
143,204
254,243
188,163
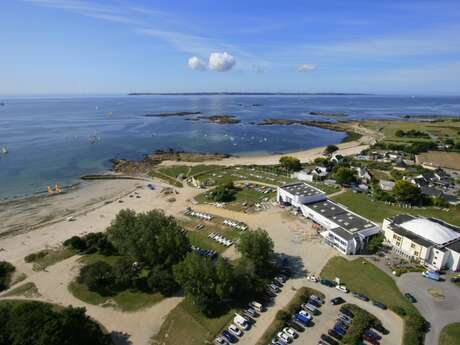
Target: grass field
x,y
27,290
450,160
378,210
127,300
362,276
450,335
441,129
186,322
49,257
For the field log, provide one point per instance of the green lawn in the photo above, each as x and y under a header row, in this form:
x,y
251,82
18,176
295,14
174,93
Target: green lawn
x,y
378,210
49,257
186,322
450,335
174,170
362,276
441,129
27,290
127,300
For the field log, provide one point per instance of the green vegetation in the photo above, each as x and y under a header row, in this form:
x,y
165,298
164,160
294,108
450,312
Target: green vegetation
x,y
290,163
132,262
224,193
450,334
412,133
330,149
49,257
27,290
6,272
406,192
43,324
187,322
351,136
344,176
174,171
258,247
362,276
361,321
301,296
379,210
170,180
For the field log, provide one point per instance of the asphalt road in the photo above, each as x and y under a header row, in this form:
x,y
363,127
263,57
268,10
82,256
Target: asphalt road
x,y
436,310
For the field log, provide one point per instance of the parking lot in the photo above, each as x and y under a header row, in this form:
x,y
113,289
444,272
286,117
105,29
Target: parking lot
x,y
438,302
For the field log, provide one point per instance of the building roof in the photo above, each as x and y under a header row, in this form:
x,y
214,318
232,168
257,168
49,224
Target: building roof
x,y
342,233
432,230
430,191
340,216
411,236
301,189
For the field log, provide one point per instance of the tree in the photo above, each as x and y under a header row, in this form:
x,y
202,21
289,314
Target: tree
x,y
6,270
258,247
163,281
330,149
36,323
344,176
197,276
96,276
125,272
374,243
152,238
406,192
225,279
224,193
290,163
399,133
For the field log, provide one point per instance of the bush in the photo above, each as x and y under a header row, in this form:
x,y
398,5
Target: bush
x,y
97,276
162,280
125,272
91,243
6,270
39,324
35,256
224,193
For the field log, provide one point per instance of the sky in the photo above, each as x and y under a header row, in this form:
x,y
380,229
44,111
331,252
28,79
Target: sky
x,y
121,46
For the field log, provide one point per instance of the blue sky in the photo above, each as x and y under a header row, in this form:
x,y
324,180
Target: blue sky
x,y
120,46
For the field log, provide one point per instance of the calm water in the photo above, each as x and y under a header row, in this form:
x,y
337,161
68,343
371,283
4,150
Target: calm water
x,y
56,140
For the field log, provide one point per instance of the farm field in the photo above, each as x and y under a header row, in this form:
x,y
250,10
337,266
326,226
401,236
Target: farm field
x,y
449,160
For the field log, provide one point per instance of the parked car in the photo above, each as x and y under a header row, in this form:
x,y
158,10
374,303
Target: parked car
x,y
317,299
291,332
312,278
235,330
379,305
334,334
329,339
337,301
327,282
314,303
342,288
274,288
257,306
371,340
339,330
250,312
410,298
280,279
241,322
295,325
283,336
431,275
379,328
220,341
311,308
372,334
276,341
344,320
360,296
301,320
347,312
229,336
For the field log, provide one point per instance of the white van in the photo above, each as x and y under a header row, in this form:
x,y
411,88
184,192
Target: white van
x,y
311,308
257,306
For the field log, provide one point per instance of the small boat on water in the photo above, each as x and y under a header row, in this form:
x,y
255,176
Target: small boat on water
x,y
4,150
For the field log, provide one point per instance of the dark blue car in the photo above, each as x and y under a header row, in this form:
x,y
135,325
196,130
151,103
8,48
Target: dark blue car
x,y
229,336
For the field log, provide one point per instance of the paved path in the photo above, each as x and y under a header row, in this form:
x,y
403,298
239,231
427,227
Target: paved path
x,y
438,311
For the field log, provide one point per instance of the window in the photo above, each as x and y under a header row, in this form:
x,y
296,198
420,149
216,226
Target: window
x,y
412,245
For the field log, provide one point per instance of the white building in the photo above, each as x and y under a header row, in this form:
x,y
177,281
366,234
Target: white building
x,y
303,175
341,228
297,194
430,241
386,185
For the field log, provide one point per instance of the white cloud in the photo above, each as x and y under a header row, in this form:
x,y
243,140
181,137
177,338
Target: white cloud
x,y
221,62
196,63
306,67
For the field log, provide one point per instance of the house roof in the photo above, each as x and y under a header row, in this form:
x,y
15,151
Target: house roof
x,y
431,230
301,189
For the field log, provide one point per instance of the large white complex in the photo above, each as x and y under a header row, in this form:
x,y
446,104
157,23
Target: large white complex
x,y
343,229
432,242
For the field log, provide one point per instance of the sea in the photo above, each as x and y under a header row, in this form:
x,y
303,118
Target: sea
x,y
56,140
